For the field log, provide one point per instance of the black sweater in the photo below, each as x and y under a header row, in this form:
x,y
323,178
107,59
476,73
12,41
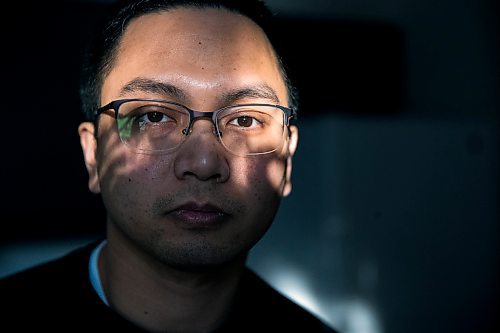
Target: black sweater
x,y
58,297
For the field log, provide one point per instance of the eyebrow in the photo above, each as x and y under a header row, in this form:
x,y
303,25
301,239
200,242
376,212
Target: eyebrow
x,y
147,85
261,91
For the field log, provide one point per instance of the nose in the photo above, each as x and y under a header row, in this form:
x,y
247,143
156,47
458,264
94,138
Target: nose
x,y
201,156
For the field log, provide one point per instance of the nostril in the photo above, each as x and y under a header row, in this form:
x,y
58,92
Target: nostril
x,y
202,176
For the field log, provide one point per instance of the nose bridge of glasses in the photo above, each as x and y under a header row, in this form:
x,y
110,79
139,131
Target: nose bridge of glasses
x,y
199,115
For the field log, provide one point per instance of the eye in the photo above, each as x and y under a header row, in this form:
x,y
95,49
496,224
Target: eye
x,y
245,121
154,117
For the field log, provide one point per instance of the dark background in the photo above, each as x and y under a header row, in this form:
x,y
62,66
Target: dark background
x,y
392,225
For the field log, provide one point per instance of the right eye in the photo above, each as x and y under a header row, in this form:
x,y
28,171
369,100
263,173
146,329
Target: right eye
x,y
137,118
153,117
147,118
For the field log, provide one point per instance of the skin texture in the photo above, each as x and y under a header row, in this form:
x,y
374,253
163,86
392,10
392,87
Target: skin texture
x,y
159,269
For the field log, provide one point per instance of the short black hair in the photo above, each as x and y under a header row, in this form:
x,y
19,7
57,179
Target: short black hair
x,y
101,50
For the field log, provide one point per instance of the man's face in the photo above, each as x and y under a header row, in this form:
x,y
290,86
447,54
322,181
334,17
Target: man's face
x,y
200,204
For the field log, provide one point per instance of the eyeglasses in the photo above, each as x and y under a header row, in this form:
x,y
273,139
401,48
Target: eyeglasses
x,y
156,126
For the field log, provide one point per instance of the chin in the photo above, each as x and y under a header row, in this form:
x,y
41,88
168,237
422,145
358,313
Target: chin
x,y
201,257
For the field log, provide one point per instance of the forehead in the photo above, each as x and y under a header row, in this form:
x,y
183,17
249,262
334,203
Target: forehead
x,y
206,47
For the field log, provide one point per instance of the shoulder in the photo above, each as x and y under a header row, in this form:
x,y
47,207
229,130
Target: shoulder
x,y
264,308
57,296
59,272
60,286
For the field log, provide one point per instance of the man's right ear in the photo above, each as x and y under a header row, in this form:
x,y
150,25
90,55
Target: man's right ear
x,y
88,142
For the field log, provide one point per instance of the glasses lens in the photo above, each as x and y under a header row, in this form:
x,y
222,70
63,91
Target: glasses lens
x,y
151,126
251,130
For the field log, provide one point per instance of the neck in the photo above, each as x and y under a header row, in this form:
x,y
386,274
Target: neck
x,y
158,297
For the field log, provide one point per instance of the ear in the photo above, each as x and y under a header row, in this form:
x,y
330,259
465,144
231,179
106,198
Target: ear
x,y
292,147
88,142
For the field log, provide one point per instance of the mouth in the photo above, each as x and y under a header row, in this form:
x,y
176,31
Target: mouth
x,y
193,215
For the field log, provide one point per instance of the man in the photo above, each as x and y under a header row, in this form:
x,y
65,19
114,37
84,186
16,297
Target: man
x,y
189,142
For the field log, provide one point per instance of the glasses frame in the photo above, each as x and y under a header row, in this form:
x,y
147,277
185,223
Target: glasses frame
x,y
289,117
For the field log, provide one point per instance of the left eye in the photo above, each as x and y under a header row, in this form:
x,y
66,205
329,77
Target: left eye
x,y
245,121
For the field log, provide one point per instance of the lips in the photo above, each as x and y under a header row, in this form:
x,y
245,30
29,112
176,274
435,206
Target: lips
x,y
198,215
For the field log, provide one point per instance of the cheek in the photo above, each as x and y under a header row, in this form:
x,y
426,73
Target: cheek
x,y
262,183
117,162
135,173
261,175
276,174
126,178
